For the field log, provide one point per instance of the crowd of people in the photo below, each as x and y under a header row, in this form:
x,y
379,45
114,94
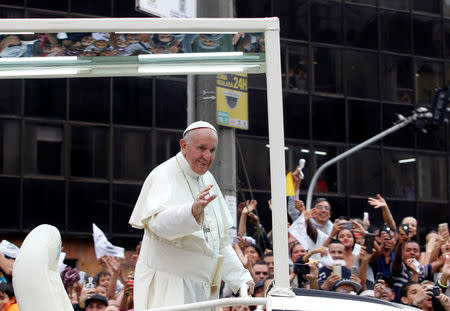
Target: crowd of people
x,y
124,44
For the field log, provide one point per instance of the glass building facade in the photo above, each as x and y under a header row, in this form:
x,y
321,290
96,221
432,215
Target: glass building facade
x,y
76,151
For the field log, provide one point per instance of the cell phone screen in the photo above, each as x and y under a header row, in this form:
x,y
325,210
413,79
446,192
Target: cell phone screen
x,y
368,242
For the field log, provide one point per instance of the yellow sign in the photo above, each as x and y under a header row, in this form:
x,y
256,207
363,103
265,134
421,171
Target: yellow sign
x,y
232,100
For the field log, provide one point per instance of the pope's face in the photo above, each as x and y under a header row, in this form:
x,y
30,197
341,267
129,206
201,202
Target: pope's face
x,y
199,149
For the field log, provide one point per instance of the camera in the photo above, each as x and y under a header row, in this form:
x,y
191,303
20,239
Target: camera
x,y
301,268
405,228
436,291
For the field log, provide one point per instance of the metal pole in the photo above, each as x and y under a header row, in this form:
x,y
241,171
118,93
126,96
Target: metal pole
x,y
390,130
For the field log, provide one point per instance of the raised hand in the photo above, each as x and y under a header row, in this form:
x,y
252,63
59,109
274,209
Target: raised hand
x,y
378,202
202,201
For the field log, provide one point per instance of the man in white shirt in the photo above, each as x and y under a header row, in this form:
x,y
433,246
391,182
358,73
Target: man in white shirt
x,y
185,250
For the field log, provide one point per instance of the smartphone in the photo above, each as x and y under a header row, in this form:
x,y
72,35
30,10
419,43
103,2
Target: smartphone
x,y
380,276
366,216
436,291
387,229
416,264
354,270
405,228
90,283
301,268
337,269
369,239
443,228
347,225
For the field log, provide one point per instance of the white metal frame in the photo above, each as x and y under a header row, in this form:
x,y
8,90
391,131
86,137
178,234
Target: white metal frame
x,y
270,27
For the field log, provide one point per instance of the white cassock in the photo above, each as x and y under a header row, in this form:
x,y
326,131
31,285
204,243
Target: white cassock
x,y
181,261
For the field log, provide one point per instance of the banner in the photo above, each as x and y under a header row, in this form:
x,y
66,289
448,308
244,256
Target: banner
x,y
232,100
103,246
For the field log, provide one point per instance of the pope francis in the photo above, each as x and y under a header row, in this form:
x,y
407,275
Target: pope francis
x,y
185,250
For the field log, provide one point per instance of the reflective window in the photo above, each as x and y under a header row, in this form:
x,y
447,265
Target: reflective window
x,y
364,172
331,179
45,98
361,74
399,40
427,36
447,35
88,204
328,70
10,203
293,18
327,25
429,6
170,111
298,68
132,154
257,108
434,139
430,214
255,161
11,101
397,4
401,209
124,198
102,7
43,203
397,79
328,117
133,101
364,120
429,75
432,171
399,169
361,26
359,206
446,8
403,137
11,2
253,8
339,206
10,147
124,9
89,151
370,2
48,4
90,99
296,116
44,149
167,145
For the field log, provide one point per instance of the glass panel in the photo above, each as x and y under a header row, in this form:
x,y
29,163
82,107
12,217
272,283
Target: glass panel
x,y
10,203
298,68
361,26
132,154
429,76
48,4
427,36
11,2
10,139
430,214
90,99
102,7
10,96
296,116
294,153
433,184
257,108
43,203
88,204
328,117
399,169
434,140
293,18
44,149
133,101
359,206
328,21
361,72
126,9
370,2
253,8
170,113
256,158
430,6
446,5
124,198
328,70
167,145
447,36
365,172
399,40
89,152
404,137
331,180
402,209
364,120
397,4
45,98
264,213
397,79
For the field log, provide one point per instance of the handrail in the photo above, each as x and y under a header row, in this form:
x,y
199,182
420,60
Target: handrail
x,y
224,302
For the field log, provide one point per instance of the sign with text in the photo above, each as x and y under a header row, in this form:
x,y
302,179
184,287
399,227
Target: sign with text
x,y
232,100
168,8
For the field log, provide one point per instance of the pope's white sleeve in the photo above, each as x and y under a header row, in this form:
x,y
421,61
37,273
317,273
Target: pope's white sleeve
x,y
234,273
174,222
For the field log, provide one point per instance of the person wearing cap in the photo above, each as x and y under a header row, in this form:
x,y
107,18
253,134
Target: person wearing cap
x,y
96,302
185,250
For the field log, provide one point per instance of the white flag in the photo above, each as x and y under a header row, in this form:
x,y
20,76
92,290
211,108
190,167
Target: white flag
x,y
103,246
